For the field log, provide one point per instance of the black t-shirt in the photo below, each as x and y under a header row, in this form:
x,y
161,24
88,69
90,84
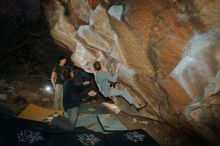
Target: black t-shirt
x,y
58,69
72,93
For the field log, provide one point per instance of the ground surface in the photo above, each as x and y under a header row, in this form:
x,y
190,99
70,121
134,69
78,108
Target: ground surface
x,y
21,93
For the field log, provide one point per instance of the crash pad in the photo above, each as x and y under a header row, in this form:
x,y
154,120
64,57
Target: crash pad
x,y
37,113
89,121
92,109
136,137
110,123
22,132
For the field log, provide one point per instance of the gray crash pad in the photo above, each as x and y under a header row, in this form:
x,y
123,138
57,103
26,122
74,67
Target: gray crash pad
x,y
92,109
110,123
89,121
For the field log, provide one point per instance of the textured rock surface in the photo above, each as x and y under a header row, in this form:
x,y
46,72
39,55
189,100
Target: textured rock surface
x,y
169,51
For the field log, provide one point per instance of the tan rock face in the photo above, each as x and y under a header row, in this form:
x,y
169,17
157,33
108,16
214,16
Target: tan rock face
x,y
197,67
169,51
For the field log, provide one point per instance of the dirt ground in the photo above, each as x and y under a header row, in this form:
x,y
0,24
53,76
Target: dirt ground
x,y
25,92
20,93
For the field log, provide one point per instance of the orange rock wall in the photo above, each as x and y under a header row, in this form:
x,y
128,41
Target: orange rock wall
x,y
169,51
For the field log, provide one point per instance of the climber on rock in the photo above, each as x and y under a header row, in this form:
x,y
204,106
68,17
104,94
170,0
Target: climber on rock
x,y
102,78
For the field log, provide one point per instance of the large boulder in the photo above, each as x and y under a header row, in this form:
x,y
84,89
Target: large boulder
x,y
169,51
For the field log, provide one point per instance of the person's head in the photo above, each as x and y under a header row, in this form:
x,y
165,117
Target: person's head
x,y
97,65
67,74
61,60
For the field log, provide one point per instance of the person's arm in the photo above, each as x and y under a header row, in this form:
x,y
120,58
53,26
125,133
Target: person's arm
x,y
90,93
110,77
78,83
113,78
53,79
84,75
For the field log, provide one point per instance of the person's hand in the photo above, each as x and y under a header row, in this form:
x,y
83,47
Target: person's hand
x,y
92,93
86,82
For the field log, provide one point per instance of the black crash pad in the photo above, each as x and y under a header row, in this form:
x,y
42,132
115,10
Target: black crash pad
x,y
21,132
137,137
